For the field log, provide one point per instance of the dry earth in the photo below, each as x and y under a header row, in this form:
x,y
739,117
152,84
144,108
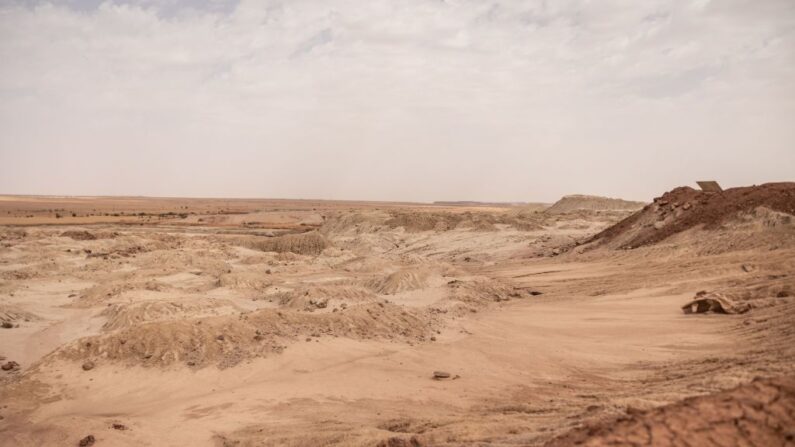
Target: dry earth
x,y
135,321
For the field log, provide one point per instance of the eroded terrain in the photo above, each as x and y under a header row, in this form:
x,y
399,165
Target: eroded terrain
x,y
277,323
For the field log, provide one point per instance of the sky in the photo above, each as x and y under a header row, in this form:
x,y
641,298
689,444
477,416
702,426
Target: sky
x,y
415,100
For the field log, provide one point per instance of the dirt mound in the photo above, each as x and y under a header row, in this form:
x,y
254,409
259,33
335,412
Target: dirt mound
x,y
424,221
328,297
13,314
12,234
419,221
357,222
401,281
122,316
684,208
101,293
310,243
245,280
578,202
761,413
84,235
227,340
81,235
481,291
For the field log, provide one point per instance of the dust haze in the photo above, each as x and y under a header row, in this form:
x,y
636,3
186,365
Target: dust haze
x,y
235,223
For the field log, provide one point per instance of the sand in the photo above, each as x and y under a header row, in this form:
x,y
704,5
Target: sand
x,y
271,323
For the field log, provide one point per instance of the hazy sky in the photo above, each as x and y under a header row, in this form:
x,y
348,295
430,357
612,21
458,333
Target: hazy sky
x,y
394,100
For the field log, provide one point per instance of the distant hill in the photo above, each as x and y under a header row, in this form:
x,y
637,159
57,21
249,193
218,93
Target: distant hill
x,y
592,203
683,208
491,204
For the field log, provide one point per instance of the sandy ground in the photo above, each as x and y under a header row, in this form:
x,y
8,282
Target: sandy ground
x,y
322,323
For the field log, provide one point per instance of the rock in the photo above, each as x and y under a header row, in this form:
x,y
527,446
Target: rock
x,y
118,426
687,206
7,325
715,303
10,366
88,365
441,375
534,292
659,225
320,303
220,338
747,268
87,441
400,442
782,294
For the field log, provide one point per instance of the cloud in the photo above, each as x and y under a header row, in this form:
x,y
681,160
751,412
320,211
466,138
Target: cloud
x,y
416,100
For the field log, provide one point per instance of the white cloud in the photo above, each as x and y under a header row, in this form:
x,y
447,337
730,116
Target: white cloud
x,y
414,100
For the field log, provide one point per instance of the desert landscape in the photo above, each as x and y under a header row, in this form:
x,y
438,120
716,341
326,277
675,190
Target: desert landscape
x,y
416,223
591,321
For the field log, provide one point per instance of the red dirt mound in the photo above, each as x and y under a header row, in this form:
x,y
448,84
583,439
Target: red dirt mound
x,y
761,413
684,208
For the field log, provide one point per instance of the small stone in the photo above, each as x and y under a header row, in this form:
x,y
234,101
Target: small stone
x,y
534,292
220,338
88,365
747,268
687,206
118,426
7,325
433,338
782,294
659,225
87,441
441,375
10,366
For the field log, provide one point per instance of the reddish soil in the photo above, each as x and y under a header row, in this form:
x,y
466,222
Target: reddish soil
x,y
761,413
684,208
